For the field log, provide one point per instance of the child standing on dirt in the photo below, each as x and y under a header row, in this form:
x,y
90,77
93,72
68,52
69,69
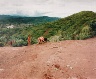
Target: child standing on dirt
x,y
29,40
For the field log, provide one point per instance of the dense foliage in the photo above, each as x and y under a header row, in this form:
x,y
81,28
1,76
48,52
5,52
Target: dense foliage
x,y
81,25
78,26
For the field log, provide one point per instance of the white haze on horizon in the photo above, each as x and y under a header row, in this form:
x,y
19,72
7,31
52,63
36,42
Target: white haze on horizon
x,y
52,8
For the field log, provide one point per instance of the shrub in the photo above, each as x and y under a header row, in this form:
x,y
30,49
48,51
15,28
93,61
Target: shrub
x,y
1,44
54,38
19,43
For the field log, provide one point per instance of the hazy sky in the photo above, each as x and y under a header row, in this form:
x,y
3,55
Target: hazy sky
x,y
53,8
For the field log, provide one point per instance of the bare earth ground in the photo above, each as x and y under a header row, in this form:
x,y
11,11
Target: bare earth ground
x,y
70,59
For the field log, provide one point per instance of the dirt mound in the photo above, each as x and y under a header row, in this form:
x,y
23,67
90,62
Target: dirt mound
x,y
70,59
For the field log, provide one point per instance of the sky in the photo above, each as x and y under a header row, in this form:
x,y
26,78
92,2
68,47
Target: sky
x,y
52,8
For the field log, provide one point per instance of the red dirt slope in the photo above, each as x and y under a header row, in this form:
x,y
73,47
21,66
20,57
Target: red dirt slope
x,y
70,59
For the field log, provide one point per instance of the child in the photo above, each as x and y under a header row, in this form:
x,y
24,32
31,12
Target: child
x,y
29,40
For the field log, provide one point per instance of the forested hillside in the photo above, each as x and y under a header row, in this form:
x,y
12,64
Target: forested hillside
x,y
81,25
20,21
78,26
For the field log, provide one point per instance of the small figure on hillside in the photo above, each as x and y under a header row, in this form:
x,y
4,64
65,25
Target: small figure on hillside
x,y
29,40
42,40
11,42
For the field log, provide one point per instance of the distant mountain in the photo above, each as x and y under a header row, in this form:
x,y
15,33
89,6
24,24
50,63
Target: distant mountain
x,y
15,20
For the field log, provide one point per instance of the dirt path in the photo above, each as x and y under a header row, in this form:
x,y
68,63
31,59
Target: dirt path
x,y
70,59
